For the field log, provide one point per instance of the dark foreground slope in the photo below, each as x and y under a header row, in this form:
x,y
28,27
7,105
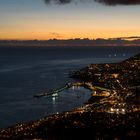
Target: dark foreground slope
x,y
112,112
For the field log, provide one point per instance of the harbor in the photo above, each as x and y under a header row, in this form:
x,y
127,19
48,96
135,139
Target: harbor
x,y
54,92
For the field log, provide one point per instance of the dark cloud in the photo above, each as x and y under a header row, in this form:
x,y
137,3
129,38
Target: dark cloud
x,y
119,2
131,37
106,2
55,35
58,1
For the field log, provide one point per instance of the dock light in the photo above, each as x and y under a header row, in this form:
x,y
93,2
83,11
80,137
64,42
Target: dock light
x,y
112,109
55,94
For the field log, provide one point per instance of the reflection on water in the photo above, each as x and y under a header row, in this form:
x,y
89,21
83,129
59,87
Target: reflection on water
x,y
67,99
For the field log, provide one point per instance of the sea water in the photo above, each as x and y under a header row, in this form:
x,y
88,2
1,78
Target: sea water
x,y
26,71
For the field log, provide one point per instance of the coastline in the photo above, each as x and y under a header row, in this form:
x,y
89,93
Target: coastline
x,y
113,111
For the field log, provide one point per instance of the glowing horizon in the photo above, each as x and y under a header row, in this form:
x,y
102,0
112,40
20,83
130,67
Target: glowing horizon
x,y
29,20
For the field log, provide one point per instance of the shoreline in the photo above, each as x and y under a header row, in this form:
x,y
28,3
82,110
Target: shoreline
x,y
113,111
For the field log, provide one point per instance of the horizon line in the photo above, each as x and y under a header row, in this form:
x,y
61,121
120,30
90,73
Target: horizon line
x,y
123,38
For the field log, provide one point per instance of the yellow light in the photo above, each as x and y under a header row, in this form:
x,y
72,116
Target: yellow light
x,y
112,109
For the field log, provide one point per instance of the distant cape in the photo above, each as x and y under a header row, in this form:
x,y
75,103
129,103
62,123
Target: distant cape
x,y
129,41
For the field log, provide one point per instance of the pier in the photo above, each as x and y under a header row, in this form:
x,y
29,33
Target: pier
x,y
53,93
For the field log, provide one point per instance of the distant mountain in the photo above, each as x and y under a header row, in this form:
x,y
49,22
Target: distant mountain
x,y
74,42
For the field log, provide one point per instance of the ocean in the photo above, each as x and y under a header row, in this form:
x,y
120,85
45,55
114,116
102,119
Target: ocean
x,y
26,71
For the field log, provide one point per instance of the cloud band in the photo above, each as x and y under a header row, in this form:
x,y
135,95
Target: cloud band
x,y
119,2
106,2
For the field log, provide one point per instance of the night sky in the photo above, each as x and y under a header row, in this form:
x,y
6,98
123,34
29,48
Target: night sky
x,y
37,19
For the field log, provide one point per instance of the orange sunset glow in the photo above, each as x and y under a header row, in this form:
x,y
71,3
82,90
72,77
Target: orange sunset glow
x,y
83,20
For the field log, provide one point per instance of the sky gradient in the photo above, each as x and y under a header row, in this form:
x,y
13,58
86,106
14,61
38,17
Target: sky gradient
x,y
33,19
